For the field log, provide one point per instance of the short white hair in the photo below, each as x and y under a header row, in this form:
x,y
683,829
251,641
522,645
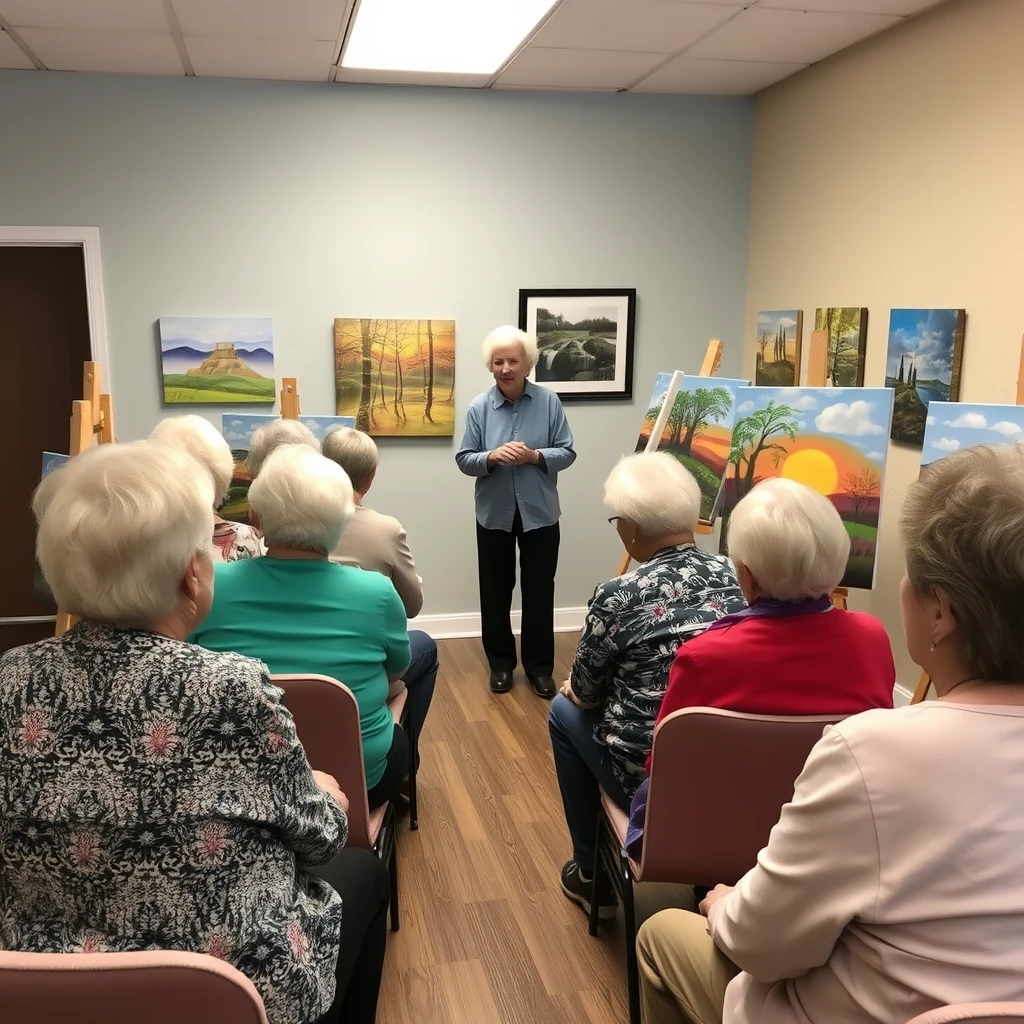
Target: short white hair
x,y
355,452
118,526
655,491
268,438
304,501
204,442
509,335
791,538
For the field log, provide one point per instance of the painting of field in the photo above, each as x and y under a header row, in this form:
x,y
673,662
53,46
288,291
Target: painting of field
x,y
779,332
396,377
831,439
698,432
238,429
665,386
922,365
217,360
950,426
847,329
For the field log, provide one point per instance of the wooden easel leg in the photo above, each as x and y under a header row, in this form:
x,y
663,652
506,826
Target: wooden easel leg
x,y
923,686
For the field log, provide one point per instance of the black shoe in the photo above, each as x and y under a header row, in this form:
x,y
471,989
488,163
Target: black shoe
x,y
543,686
577,888
501,681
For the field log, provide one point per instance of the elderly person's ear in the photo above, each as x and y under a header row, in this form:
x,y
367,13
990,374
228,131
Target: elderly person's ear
x,y
746,580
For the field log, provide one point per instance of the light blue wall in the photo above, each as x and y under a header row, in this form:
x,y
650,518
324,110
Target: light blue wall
x,y
306,202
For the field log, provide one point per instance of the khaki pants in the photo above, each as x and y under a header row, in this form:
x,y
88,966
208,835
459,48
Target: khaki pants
x,y
683,974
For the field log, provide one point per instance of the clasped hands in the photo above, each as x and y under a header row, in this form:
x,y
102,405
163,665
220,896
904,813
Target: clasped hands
x,y
329,784
514,453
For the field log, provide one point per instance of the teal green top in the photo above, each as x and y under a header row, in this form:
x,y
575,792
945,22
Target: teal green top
x,y
318,617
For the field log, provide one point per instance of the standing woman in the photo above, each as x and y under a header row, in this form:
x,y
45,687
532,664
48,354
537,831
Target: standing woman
x,y
517,440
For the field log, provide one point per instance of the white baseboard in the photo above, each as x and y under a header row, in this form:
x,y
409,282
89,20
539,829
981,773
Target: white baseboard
x,y
463,624
901,696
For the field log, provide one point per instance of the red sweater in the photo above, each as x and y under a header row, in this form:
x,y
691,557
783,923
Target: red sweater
x,y
826,663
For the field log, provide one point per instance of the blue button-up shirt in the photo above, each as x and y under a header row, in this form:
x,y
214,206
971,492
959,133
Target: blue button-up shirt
x,y
536,419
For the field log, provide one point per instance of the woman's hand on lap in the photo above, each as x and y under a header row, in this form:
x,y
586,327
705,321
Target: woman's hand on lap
x,y
329,784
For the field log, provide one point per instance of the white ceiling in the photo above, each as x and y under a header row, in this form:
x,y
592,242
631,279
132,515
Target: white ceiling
x,y
653,46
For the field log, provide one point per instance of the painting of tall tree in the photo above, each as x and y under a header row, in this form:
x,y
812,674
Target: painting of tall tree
x,y
922,365
665,387
396,377
831,439
847,329
778,347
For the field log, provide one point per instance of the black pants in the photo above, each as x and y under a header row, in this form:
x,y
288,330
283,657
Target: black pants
x,y
395,771
362,881
538,560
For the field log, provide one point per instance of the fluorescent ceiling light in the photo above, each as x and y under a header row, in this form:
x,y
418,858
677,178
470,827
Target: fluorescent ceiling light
x,y
472,37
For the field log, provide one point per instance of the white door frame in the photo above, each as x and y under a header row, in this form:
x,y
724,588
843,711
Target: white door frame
x,y
88,240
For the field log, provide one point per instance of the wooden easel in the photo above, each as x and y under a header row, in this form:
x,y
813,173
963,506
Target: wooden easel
x,y
708,368
289,398
92,421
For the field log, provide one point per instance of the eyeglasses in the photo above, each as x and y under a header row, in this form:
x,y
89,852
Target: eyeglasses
x,y
614,519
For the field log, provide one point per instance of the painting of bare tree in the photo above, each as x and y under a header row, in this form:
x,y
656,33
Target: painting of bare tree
x,y
397,377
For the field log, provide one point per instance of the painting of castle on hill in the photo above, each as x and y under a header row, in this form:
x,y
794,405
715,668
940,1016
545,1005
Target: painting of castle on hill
x,y
922,365
831,439
396,377
217,360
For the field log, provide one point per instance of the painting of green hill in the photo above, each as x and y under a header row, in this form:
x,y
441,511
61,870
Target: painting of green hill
x,y
194,390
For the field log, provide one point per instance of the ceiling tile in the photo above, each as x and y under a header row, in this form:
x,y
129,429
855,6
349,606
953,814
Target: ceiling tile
x,y
901,7
719,77
650,26
11,55
373,76
592,69
281,19
793,37
297,60
136,53
122,15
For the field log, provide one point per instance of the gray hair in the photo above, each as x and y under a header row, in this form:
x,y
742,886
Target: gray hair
x,y
509,335
118,526
272,436
204,442
791,538
960,528
304,501
355,452
655,491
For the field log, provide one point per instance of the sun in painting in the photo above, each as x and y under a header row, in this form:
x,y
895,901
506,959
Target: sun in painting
x,y
812,467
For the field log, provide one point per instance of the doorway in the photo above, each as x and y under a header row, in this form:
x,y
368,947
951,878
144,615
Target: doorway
x,y
45,336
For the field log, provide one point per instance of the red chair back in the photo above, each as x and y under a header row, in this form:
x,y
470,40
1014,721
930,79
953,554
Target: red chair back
x,y
718,782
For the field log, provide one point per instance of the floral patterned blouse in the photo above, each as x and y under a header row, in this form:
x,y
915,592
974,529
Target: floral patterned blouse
x,y
634,624
153,795
235,542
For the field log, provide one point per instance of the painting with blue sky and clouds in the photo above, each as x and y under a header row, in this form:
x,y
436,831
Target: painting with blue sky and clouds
x,y
922,365
951,426
219,360
832,439
238,429
665,385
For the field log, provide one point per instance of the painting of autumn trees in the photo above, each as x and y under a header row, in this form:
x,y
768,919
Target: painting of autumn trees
x,y
397,377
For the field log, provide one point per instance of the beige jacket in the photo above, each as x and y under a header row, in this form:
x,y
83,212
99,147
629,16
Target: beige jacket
x,y
378,543
894,881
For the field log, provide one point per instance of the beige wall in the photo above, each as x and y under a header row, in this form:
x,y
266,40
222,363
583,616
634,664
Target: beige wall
x,y
893,176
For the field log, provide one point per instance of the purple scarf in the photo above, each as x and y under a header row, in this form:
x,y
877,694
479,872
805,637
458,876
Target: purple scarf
x,y
763,608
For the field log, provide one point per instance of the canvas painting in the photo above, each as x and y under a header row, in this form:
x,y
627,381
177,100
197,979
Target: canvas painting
x,y
699,433
950,426
779,332
217,360
847,328
664,390
922,365
40,588
238,429
396,377
832,439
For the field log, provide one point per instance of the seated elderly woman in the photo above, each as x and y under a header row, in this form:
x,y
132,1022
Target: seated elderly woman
x,y
269,438
205,443
299,612
127,801
602,721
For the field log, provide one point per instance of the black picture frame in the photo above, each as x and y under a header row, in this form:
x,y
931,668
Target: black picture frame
x,y
590,344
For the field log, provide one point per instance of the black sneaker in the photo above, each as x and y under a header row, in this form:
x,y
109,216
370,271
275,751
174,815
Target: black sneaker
x,y
577,888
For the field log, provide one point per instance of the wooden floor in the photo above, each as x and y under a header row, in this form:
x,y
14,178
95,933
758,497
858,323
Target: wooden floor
x,y
487,936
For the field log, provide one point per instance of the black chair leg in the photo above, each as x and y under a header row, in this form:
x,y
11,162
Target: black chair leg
x,y
414,748
393,872
598,870
632,968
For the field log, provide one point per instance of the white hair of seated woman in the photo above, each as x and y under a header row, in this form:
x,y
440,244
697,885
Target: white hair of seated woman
x,y
302,500
506,335
268,438
656,492
118,527
790,539
204,442
356,453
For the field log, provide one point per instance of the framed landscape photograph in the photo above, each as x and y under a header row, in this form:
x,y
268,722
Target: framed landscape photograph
x,y
585,339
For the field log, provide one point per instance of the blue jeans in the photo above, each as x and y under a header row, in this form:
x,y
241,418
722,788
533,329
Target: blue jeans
x,y
420,677
583,766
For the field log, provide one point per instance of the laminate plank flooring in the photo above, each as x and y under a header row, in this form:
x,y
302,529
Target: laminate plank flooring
x,y
487,936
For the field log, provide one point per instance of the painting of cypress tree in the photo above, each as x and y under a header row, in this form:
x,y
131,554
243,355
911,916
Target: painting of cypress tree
x,y
778,347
